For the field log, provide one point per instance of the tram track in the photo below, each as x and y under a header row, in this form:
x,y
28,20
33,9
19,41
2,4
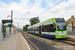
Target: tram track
x,y
68,40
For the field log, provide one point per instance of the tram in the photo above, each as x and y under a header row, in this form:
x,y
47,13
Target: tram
x,y
51,28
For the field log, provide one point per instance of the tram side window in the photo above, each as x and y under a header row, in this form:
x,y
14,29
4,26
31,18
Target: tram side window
x,y
45,28
52,28
36,28
49,28
27,29
42,28
32,29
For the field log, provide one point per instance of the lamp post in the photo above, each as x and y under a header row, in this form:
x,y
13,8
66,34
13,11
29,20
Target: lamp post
x,y
11,18
72,29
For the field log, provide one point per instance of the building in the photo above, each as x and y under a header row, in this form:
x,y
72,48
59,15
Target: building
x,y
70,30
72,19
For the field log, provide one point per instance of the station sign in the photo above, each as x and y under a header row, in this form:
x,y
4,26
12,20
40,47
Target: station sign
x,y
69,25
69,28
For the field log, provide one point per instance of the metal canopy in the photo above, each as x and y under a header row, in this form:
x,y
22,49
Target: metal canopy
x,y
7,21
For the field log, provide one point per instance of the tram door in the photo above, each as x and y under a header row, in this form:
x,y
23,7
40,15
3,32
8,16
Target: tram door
x,y
40,30
34,30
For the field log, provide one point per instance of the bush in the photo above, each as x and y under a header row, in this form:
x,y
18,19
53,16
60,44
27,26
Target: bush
x,y
73,27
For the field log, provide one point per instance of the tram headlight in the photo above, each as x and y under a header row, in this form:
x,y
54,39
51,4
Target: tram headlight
x,y
57,33
60,33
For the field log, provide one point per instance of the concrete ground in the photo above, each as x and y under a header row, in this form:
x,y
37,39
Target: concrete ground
x,y
41,45
14,42
21,44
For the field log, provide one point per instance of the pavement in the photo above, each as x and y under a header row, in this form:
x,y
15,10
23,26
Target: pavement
x,y
14,42
71,36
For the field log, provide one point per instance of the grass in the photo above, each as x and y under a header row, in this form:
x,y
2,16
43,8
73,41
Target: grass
x,y
52,43
56,40
34,36
44,41
37,37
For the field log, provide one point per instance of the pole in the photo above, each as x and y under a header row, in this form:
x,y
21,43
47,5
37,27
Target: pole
x,y
72,28
18,27
11,18
3,31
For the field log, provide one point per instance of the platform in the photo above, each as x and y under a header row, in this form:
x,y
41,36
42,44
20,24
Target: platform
x,y
71,36
14,42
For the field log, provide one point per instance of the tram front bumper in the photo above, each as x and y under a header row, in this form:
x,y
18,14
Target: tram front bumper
x,y
61,36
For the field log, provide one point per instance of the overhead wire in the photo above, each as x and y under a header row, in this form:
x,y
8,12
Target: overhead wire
x,y
40,14
30,8
27,12
50,8
20,18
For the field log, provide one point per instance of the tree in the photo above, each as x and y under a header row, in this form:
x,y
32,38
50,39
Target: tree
x,y
5,28
9,25
25,27
34,20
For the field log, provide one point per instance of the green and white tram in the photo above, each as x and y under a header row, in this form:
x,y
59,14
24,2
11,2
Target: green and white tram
x,y
51,28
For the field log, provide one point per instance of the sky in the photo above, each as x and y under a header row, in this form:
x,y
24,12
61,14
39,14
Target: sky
x,y
20,8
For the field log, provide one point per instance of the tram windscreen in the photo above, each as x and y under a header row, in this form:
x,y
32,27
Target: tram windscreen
x,y
61,24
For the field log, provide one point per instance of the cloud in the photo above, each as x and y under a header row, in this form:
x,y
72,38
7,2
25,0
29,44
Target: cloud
x,y
64,9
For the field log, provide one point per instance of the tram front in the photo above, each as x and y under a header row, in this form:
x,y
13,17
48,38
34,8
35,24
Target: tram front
x,y
61,31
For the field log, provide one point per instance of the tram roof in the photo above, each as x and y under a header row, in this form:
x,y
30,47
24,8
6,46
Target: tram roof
x,y
37,24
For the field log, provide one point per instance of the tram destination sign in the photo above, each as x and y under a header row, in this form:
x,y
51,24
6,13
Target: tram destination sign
x,y
60,20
